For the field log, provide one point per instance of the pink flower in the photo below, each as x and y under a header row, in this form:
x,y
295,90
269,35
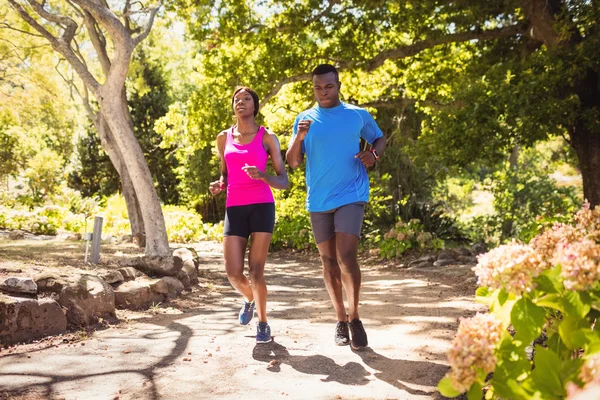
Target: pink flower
x,y
473,347
580,262
511,267
545,243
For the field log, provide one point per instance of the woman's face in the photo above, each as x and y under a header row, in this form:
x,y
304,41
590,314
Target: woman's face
x,y
243,104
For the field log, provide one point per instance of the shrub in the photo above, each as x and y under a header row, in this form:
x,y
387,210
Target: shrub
x,y
407,235
548,293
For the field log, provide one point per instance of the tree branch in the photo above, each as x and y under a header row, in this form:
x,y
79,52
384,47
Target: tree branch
x,y
407,51
4,25
69,26
104,16
148,26
60,46
415,48
97,42
280,84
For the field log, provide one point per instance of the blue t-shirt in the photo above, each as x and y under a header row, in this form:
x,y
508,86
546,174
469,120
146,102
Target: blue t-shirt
x,y
333,176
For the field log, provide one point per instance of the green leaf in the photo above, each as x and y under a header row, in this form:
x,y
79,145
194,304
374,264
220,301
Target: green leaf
x,y
553,301
527,319
574,332
475,392
446,389
574,304
506,387
545,376
546,284
503,309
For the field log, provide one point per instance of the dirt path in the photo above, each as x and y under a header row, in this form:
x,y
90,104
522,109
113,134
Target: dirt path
x,y
194,349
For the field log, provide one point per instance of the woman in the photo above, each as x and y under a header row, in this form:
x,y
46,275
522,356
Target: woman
x,y
250,209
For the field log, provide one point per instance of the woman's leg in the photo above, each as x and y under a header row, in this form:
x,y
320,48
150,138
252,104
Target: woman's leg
x,y
259,248
234,248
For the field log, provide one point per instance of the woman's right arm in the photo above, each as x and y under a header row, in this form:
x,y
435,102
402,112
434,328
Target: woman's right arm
x,y
217,186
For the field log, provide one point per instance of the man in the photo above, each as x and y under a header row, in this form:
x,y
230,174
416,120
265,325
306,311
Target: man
x,y
338,189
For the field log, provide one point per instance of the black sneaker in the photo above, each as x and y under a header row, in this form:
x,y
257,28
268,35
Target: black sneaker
x,y
342,336
359,336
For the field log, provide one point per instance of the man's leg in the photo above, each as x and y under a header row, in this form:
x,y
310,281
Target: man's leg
x,y
332,276
348,221
346,245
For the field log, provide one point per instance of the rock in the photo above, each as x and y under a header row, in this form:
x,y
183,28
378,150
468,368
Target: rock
x,y
421,264
444,263
27,319
422,260
174,285
479,248
184,278
156,265
110,239
467,259
112,276
462,251
129,273
138,294
69,236
19,285
16,235
188,254
447,255
50,283
87,298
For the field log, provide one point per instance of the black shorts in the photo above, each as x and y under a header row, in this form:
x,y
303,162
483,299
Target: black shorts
x,y
243,220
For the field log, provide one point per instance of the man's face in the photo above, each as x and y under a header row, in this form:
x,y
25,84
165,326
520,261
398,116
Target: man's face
x,y
327,90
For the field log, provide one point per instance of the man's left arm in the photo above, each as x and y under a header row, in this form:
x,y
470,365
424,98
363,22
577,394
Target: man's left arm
x,y
372,134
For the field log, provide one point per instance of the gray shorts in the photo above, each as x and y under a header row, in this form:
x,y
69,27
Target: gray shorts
x,y
344,219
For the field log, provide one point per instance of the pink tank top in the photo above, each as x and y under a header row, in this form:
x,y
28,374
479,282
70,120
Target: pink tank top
x,y
241,189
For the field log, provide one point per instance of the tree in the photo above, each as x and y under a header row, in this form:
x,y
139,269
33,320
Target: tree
x,y
59,27
486,76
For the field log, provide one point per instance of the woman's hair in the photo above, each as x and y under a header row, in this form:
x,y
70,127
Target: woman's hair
x,y
252,93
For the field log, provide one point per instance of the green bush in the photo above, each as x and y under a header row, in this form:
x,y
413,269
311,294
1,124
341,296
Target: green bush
x,y
292,221
407,235
540,338
525,202
183,225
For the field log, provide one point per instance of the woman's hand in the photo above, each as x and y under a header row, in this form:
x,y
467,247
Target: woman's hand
x,y
216,187
253,172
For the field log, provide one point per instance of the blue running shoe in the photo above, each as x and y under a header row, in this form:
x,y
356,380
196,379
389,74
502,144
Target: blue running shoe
x,y
247,312
263,333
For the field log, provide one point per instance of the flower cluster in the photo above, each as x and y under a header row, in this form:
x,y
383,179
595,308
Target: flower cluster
x,y
580,262
588,221
473,348
590,371
545,244
511,267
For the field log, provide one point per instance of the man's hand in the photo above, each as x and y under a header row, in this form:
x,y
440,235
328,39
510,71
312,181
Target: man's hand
x,y
254,172
216,187
367,158
303,127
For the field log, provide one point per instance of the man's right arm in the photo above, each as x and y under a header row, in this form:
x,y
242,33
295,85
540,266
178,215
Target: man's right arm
x,y
294,155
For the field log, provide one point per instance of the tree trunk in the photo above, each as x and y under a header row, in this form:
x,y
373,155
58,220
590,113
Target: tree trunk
x,y
109,146
585,137
112,109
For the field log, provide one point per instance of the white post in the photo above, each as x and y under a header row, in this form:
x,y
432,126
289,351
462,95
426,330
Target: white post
x,y
96,238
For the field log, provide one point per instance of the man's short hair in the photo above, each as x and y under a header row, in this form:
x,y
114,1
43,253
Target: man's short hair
x,y
252,94
325,69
